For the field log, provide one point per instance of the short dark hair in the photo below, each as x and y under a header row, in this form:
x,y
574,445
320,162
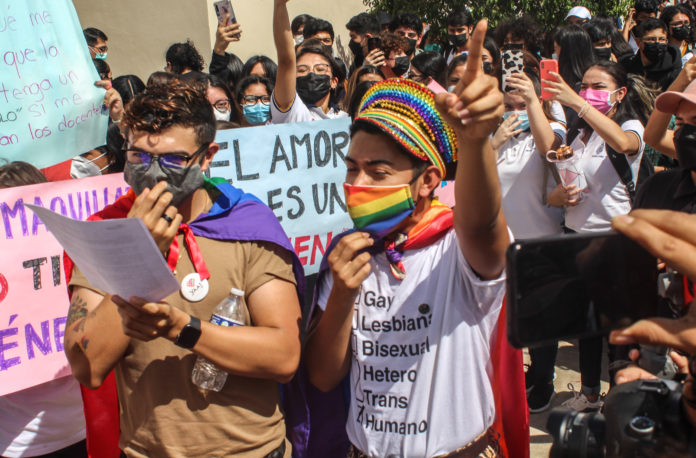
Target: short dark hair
x,y
128,86
647,25
315,26
407,20
248,81
163,106
523,28
92,35
361,125
431,64
364,23
184,56
102,68
20,173
646,6
269,67
460,17
298,22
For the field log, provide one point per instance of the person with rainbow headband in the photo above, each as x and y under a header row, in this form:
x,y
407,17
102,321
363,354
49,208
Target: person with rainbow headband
x,y
409,301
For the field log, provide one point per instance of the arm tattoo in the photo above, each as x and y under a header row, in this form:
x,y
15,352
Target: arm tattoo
x,y
77,312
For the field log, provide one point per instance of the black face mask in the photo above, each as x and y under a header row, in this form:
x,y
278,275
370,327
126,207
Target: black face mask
x,y
180,182
602,53
458,40
411,45
685,144
682,32
356,49
312,88
488,68
402,65
654,52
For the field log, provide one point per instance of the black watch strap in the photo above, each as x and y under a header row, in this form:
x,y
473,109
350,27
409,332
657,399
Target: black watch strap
x,y
190,334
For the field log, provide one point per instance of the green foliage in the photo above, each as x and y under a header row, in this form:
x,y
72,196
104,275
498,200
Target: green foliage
x,y
549,13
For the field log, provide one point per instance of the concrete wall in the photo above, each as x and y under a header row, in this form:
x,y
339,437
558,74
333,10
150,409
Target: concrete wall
x,y
140,31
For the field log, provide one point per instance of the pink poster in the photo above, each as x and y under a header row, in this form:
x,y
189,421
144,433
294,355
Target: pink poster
x,y
33,295
445,193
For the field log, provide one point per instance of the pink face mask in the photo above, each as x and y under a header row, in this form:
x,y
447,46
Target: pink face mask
x,y
600,99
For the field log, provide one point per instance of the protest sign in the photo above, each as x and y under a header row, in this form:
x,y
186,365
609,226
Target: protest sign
x,y
33,294
50,110
298,171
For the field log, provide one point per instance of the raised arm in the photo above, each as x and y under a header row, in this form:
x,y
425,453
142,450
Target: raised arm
x,y
544,138
657,133
474,111
612,133
285,89
94,339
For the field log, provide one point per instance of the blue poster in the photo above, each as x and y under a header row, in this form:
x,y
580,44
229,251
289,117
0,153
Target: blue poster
x,y
298,171
50,109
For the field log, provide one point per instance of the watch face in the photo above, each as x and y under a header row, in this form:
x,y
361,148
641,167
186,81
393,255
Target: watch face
x,y
188,336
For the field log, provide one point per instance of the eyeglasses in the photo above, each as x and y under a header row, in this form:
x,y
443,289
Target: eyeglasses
x,y
254,99
321,69
165,161
101,49
222,105
655,40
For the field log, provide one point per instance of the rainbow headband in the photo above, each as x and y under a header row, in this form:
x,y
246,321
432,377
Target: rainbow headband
x,y
405,110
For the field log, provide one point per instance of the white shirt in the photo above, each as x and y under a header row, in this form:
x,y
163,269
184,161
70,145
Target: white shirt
x,y
41,419
606,196
299,112
521,174
421,373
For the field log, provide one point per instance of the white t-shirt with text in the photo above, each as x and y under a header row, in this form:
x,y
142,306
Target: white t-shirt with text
x,y
521,170
606,196
299,112
420,377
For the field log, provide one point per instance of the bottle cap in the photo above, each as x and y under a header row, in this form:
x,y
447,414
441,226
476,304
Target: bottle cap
x,y
237,292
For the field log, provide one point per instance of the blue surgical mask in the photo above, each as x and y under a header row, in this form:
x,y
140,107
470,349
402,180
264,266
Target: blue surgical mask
x,y
101,56
451,88
257,114
521,116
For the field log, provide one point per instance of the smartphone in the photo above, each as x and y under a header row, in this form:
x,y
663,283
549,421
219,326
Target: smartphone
x,y
374,43
575,286
221,9
513,62
547,66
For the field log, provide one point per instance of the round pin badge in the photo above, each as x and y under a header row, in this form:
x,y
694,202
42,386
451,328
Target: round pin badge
x,y
193,288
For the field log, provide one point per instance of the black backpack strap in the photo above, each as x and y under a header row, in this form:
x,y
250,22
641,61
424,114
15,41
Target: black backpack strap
x,y
623,169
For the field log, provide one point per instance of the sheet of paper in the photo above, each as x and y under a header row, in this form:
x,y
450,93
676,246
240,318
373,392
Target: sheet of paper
x,y
117,256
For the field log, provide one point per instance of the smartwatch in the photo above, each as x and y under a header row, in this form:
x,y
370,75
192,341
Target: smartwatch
x,y
190,334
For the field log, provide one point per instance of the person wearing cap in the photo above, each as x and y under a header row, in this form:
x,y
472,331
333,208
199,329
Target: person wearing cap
x,y
407,302
675,189
578,15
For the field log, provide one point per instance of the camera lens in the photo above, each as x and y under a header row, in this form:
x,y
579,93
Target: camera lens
x,y
642,426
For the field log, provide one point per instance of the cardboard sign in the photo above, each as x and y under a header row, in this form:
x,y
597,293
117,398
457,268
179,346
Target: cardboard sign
x,y
298,171
50,109
33,294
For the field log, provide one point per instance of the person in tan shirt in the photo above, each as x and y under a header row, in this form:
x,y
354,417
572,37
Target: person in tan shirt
x,y
153,346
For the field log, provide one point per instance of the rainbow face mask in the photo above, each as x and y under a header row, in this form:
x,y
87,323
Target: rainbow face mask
x,y
378,209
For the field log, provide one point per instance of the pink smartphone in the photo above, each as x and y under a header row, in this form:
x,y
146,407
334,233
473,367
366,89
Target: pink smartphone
x,y
547,66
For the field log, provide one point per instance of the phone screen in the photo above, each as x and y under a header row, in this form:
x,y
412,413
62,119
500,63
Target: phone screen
x,y
577,285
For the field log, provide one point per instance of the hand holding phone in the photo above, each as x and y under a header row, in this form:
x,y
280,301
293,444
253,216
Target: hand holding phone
x,y
513,62
547,66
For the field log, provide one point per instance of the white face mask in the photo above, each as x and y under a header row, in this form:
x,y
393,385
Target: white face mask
x,y
81,167
299,39
554,56
221,115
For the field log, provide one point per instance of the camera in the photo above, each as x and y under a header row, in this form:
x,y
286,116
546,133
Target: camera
x,y
640,419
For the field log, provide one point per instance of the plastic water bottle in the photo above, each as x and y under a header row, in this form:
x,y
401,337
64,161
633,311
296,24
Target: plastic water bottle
x,y
230,312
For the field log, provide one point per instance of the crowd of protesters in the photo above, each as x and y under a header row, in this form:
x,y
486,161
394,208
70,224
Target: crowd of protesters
x,y
401,354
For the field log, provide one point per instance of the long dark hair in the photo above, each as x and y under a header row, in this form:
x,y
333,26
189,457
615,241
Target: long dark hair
x,y
668,15
431,64
637,104
576,54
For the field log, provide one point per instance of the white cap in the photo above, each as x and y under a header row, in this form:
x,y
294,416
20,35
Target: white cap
x,y
579,11
237,292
